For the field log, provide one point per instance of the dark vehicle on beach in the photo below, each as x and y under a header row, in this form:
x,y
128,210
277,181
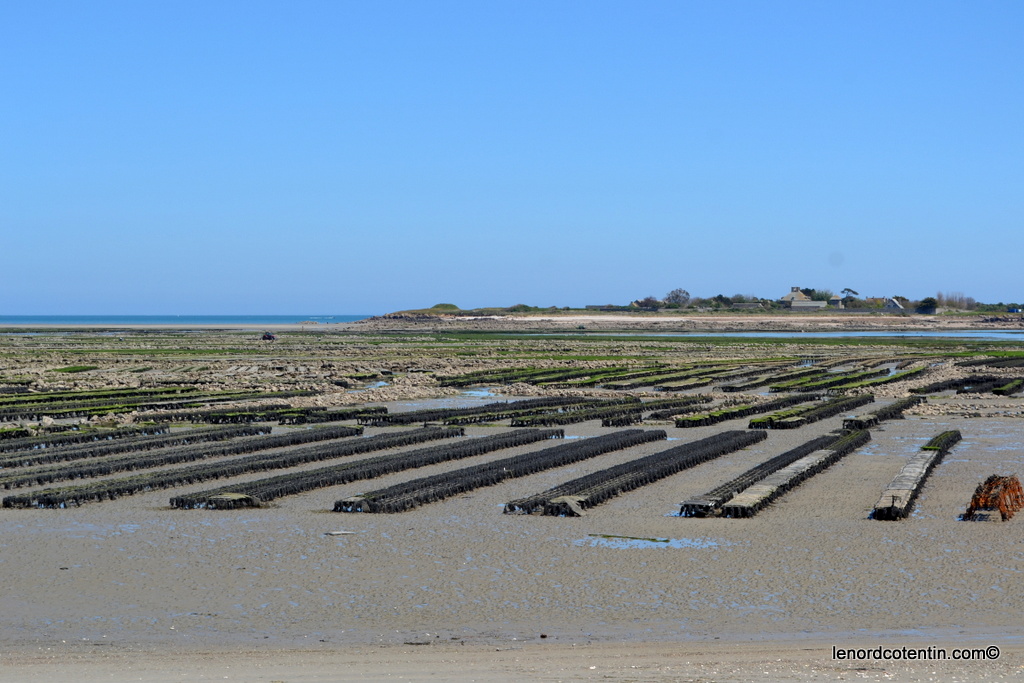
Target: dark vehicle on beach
x,y
267,336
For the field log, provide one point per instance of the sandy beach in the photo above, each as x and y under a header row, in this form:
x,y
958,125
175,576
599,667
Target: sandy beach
x,y
131,589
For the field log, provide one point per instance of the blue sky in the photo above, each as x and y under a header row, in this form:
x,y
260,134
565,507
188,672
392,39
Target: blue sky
x,y
363,157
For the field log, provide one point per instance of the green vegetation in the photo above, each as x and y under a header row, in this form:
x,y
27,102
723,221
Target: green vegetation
x,y
943,442
895,377
927,305
1012,387
798,417
680,300
89,404
76,368
738,411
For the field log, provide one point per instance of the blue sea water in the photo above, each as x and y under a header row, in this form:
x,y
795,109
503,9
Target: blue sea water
x,y
174,319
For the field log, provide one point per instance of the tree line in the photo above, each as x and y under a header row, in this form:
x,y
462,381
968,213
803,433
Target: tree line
x,y
680,298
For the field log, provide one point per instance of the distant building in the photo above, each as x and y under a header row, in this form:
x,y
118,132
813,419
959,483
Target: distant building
x,y
886,302
794,295
799,301
836,302
892,304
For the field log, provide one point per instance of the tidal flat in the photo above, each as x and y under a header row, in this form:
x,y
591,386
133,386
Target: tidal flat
x,y
448,589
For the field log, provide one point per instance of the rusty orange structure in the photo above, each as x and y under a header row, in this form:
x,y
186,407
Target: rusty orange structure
x,y
997,493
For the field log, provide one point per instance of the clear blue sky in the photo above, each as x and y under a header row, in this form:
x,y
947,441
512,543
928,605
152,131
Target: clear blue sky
x,y
361,157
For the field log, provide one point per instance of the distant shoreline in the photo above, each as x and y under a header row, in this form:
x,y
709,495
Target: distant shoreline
x,y
785,322
695,322
173,321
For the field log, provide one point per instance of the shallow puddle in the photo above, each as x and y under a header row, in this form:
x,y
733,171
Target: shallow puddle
x,y
628,542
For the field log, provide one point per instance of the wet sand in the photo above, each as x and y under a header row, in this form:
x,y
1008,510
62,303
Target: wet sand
x,y
133,578
808,659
